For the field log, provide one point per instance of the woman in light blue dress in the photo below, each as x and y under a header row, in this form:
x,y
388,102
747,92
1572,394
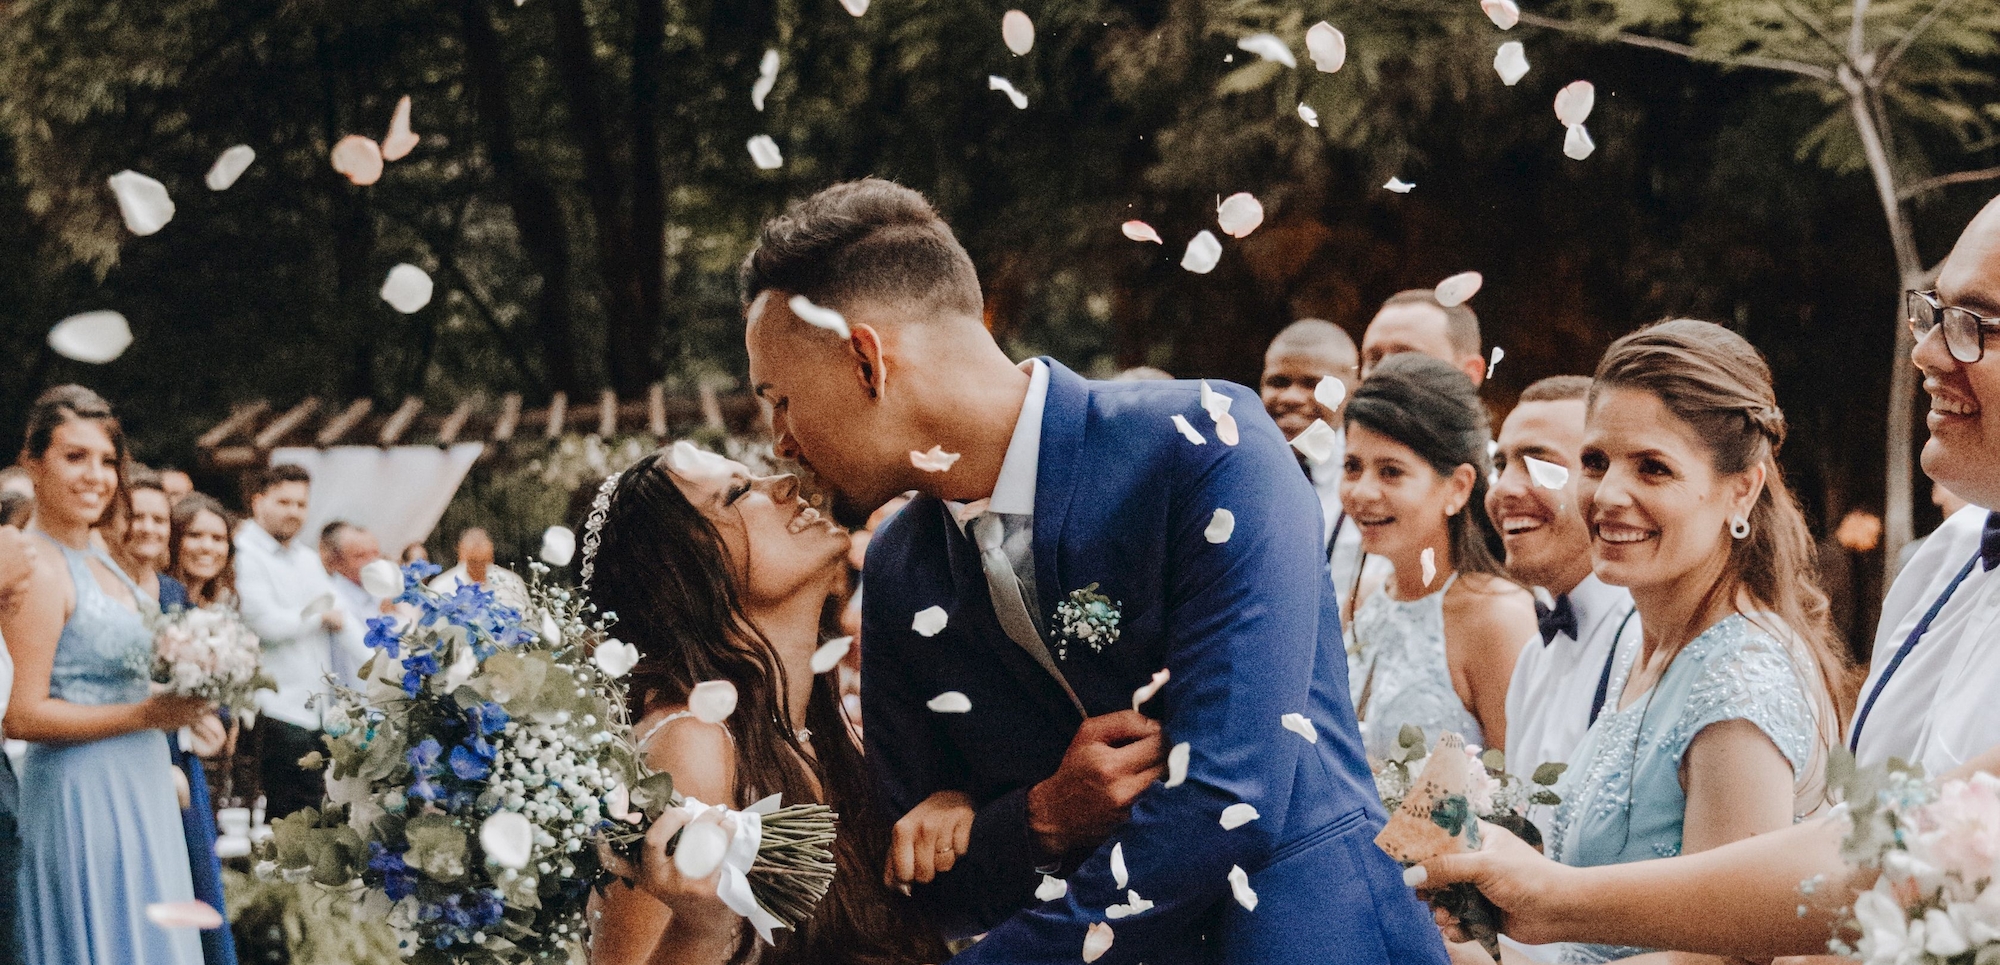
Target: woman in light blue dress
x,y
1718,726
100,828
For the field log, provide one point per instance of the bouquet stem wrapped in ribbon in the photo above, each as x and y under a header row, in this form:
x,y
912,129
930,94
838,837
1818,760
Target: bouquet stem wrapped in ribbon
x,y
472,780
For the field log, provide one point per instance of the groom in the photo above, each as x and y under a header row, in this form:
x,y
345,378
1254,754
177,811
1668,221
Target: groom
x,y
979,592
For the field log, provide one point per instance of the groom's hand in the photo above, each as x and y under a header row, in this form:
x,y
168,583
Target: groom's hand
x,y
1110,761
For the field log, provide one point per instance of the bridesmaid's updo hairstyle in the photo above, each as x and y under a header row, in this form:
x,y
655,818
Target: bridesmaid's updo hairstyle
x,y
1432,408
73,403
1720,386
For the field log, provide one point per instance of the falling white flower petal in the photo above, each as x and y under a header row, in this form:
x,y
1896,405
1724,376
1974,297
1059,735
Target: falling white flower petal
x,y
1415,875
617,658
94,337
1547,475
401,141
1225,429
1577,144
1141,231
1239,885
1237,815
1018,32
1399,185
142,201
1202,254
702,846
1511,62
1187,430
1428,560
184,914
1573,103
1301,725
358,157
819,316
831,653
508,839
558,545
407,289
1504,13
1317,442
1330,393
1269,47
765,154
1459,289
1220,527
767,78
1132,905
618,805
712,701
1005,86
1214,403
1051,888
229,166
1118,873
1145,693
1327,46
949,702
1177,764
1498,354
1240,214
935,460
1308,115
855,7
929,621
1097,941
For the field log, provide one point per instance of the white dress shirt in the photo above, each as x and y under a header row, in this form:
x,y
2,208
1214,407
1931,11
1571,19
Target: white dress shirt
x,y
508,589
1555,684
1014,492
275,583
1937,709
360,606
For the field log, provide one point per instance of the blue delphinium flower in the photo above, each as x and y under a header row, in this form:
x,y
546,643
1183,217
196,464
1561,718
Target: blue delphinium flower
x,y
466,763
398,882
423,759
382,635
417,668
488,718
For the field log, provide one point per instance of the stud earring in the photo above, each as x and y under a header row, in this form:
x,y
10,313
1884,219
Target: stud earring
x,y
1739,527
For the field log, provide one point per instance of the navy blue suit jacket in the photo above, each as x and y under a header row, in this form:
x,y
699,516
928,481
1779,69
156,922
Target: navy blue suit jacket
x,y
1250,629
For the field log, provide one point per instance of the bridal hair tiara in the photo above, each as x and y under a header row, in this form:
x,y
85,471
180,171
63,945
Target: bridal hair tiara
x,y
593,528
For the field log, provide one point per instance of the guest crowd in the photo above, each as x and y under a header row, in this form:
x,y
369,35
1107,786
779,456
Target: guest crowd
x,y
1619,580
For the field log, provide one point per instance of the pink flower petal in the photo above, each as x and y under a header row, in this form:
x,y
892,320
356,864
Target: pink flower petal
x,y
1141,231
360,158
184,914
400,141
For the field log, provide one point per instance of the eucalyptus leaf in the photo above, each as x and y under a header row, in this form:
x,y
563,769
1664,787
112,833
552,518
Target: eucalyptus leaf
x,y
1548,774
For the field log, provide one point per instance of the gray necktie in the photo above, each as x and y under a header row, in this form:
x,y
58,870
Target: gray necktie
x,y
989,531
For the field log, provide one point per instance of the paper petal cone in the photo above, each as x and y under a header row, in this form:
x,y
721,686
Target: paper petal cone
x,y
1411,836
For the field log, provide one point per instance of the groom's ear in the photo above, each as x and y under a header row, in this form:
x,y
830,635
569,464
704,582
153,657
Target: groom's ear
x,y
871,368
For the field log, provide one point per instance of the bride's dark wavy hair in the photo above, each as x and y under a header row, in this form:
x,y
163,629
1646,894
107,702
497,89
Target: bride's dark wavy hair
x,y
660,567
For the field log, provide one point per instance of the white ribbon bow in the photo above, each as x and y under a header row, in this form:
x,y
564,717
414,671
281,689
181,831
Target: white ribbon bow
x,y
732,884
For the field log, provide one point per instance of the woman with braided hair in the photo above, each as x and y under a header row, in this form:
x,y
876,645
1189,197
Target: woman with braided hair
x,y
716,574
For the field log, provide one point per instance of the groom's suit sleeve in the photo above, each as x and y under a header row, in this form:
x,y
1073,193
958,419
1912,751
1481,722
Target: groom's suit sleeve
x,y
1242,624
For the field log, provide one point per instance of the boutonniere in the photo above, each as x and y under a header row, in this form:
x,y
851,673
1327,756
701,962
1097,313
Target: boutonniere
x,y
1087,618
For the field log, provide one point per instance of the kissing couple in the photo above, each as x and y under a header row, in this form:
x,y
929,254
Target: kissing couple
x,y
1103,684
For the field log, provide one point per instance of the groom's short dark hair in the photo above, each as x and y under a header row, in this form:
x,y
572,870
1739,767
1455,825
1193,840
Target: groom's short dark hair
x,y
866,239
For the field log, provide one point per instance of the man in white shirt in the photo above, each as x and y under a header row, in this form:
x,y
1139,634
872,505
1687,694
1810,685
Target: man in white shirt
x,y
287,600
344,549
475,566
1561,680
1307,353
1413,321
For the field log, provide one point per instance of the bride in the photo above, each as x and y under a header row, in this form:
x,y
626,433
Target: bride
x,y
714,574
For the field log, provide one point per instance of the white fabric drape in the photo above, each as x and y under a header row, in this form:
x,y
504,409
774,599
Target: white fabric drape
x,y
397,493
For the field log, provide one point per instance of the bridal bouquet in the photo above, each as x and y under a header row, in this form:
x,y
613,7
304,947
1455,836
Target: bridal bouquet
x,y
472,780
1937,849
1438,810
208,652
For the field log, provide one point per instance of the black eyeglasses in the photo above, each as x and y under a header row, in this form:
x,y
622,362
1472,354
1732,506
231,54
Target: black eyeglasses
x,y
1964,329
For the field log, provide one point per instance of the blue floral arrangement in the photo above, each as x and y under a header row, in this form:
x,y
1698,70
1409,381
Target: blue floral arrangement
x,y
477,777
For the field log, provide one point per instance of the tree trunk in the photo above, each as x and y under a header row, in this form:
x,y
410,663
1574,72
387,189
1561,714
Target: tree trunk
x,y
640,348
538,216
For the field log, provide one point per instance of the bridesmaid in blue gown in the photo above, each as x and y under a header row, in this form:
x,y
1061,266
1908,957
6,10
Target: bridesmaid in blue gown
x,y
100,834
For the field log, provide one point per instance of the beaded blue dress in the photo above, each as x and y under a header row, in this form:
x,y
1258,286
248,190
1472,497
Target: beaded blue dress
x,y
1621,797
101,831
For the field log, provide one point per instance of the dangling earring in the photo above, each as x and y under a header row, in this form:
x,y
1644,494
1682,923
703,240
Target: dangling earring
x,y
1739,527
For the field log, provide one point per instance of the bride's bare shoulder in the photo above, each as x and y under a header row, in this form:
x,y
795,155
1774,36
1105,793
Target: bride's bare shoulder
x,y
700,756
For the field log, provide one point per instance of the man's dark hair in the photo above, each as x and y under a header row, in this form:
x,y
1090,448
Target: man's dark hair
x,y
1461,324
265,480
329,535
863,240
1558,388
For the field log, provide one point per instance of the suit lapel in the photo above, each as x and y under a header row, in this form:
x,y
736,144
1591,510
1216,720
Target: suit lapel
x,y
1063,418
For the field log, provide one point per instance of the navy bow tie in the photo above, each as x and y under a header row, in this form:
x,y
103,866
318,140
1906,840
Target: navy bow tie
x,y
1989,543
1560,618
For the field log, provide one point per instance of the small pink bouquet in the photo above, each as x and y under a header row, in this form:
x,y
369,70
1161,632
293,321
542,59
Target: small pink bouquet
x,y
208,652
1937,848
